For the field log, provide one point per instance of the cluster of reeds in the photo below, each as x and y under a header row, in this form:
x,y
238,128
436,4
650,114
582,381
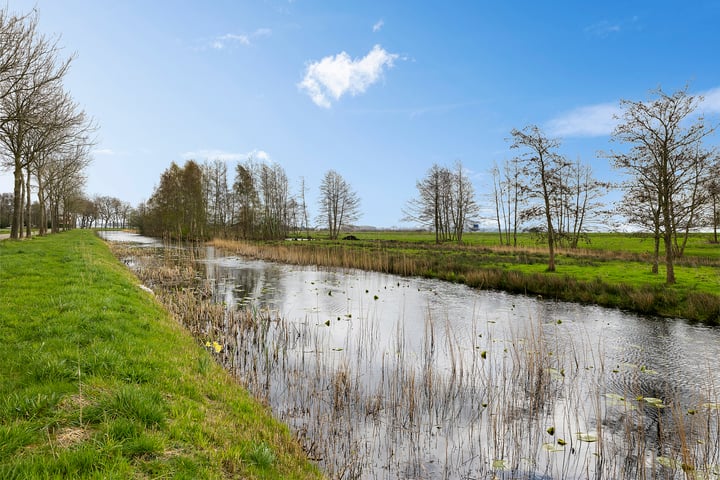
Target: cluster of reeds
x,y
491,402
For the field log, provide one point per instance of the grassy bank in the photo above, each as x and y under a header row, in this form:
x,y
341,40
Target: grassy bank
x,y
613,270
97,381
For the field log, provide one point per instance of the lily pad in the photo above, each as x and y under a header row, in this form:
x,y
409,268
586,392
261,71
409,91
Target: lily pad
x,y
655,402
587,437
552,448
499,465
667,462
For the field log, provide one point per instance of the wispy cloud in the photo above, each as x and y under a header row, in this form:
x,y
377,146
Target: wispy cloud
x,y
711,101
606,28
336,75
224,156
230,40
378,25
603,29
589,121
104,151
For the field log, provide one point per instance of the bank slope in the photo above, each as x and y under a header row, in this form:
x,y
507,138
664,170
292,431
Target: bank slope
x,y
97,381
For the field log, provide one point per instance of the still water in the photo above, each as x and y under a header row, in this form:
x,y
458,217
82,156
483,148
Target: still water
x,y
389,377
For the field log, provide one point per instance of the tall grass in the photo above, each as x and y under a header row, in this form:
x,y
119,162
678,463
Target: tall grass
x,y
520,402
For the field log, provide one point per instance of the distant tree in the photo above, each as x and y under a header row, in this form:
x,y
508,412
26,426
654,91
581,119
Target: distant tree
x,y
246,199
544,171
712,189
667,163
445,203
275,196
577,202
217,196
88,213
65,180
464,205
432,206
339,204
508,191
177,207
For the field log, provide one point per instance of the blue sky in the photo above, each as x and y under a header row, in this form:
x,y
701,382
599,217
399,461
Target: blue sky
x,y
377,90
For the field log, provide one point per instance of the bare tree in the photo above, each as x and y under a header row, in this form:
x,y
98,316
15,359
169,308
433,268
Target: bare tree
x,y
712,214
665,160
543,165
577,202
445,203
339,203
33,82
508,192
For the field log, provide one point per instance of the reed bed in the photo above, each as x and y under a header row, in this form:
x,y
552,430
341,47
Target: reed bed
x,y
495,402
501,268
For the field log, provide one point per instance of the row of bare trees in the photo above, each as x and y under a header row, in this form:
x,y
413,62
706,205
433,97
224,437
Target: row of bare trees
x,y
671,186
199,201
45,138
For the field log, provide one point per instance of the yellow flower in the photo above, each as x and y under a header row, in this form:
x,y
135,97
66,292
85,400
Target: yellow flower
x,y
217,347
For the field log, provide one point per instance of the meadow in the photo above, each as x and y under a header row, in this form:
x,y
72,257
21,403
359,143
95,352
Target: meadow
x,y
609,269
99,381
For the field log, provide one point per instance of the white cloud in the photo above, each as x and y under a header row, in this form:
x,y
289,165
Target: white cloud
x,y
214,154
711,101
104,151
590,121
334,76
231,39
603,29
378,25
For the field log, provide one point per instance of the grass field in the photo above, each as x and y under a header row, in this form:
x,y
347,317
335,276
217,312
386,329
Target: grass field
x,y
97,381
613,270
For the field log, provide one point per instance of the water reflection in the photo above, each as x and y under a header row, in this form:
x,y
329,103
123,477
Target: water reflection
x,y
390,377
673,354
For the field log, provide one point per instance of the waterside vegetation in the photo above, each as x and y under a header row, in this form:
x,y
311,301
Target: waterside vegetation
x,y
98,381
613,270
442,396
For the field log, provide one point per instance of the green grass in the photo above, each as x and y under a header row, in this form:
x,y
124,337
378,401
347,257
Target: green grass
x,y
97,381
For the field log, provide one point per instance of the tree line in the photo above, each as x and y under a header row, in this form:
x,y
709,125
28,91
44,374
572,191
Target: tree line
x,y
671,186
671,189
197,201
45,137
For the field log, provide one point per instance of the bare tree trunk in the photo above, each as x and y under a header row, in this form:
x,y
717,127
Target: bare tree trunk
x,y
28,205
16,227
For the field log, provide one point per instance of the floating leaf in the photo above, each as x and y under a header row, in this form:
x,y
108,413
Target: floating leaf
x,y
655,402
587,437
614,396
549,447
667,462
499,465
551,430
483,354
327,323
562,442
